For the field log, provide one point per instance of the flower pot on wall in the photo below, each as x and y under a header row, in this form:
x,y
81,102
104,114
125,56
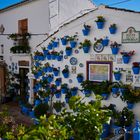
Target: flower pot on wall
x,y
64,41
55,44
80,79
86,49
136,70
106,130
115,50
68,52
126,59
112,30
66,74
86,31
58,95
59,57
73,44
117,76
130,105
115,90
105,42
50,47
49,56
105,96
56,72
100,25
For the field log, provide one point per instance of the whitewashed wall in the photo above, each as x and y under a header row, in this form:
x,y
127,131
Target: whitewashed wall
x,y
123,20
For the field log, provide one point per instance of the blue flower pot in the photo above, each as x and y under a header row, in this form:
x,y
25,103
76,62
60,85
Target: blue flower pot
x,y
46,100
130,105
115,50
80,79
45,69
55,44
87,93
68,52
115,90
56,72
86,49
73,92
73,44
45,52
126,59
49,56
136,70
50,47
117,76
86,31
50,79
49,69
112,30
64,90
67,100
105,96
105,42
57,83
37,102
53,56
100,25
106,130
64,41
58,95
66,75
59,57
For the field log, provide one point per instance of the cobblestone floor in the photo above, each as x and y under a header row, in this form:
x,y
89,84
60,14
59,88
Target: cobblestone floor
x,y
15,111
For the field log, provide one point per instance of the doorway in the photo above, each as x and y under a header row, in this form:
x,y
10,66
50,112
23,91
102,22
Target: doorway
x,y
23,81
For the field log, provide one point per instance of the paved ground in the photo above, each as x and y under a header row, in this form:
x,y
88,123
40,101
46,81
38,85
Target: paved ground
x,y
15,111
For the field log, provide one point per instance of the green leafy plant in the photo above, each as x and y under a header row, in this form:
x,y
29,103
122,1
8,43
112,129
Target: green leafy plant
x,y
86,43
100,19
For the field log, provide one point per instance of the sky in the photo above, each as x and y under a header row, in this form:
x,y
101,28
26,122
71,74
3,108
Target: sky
x,y
130,4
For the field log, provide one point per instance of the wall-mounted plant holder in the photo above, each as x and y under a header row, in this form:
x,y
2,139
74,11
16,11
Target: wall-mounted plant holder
x,y
86,30
112,29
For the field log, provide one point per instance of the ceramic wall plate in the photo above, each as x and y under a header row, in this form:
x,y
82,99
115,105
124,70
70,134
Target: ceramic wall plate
x,y
98,47
73,61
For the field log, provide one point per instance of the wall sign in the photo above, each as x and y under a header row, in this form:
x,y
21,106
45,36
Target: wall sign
x,y
131,36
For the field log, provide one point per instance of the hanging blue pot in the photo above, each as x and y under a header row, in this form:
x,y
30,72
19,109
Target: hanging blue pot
x,y
53,56
80,79
115,90
48,56
117,76
37,64
67,100
55,44
105,42
86,49
87,92
58,95
66,74
105,96
50,47
50,69
136,131
100,25
46,100
45,52
59,57
68,52
74,92
45,69
37,102
86,31
73,44
36,76
49,79
130,105
106,130
56,72
136,70
64,41
57,82
126,59
64,90
112,30
115,50
32,114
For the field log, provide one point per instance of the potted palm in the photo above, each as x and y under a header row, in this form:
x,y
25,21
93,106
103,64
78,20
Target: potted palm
x,y
100,22
112,28
86,45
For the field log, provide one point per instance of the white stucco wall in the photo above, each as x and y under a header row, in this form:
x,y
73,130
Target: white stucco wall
x,y
123,20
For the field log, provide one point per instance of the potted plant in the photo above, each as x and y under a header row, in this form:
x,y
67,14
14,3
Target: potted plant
x,y
50,46
64,40
58,106
100,22
55,42
68,96
50,78
114,87
86,30
117,75
126,56
64,88
74,91
68,51
58,81
123,119
86,45
112,28
56,71
72,40
80,77
59,56
115,47
87,87
65,72
57,93
105,41
136,67
53,55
